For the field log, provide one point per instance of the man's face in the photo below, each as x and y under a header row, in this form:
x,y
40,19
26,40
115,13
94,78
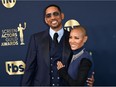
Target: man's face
x,y
54,18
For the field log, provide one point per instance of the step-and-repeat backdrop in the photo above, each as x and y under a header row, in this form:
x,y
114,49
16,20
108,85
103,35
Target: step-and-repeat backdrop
x,y
19,19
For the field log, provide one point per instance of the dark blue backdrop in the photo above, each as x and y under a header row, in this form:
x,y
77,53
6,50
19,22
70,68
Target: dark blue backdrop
x,y
99,17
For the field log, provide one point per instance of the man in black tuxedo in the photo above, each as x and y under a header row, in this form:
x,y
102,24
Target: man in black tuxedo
x,y
45,49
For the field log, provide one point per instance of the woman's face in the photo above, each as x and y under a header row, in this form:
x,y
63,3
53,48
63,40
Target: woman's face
x,y
77,39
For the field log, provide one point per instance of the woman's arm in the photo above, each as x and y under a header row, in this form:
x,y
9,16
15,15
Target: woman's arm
x,y
82,73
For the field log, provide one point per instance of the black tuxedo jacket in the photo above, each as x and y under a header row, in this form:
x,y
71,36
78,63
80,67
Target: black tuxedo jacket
x,y
37,71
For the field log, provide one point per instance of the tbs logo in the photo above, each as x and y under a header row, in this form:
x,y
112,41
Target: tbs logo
x,y
15,67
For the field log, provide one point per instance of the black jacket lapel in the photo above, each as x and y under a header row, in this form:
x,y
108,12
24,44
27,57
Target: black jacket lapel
x,y
45,47
66,48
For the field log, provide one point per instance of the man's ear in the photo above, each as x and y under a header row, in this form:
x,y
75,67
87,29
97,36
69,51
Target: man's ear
x,y
45,20
62,15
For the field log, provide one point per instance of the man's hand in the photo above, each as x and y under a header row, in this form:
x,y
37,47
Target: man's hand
x,y
90,81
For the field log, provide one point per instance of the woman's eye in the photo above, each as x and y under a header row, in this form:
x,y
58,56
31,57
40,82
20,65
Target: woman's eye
x,y
76,38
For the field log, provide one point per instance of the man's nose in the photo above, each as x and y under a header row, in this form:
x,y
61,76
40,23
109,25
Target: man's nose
x,y
52,17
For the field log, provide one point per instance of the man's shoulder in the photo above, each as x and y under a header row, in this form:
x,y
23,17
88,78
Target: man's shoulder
x,y
40,33
66,34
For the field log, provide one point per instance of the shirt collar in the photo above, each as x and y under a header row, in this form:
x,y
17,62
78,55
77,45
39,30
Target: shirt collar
x,y
60,33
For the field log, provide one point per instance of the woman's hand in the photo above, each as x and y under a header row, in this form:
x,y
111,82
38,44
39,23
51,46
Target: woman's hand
x,y
60,65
